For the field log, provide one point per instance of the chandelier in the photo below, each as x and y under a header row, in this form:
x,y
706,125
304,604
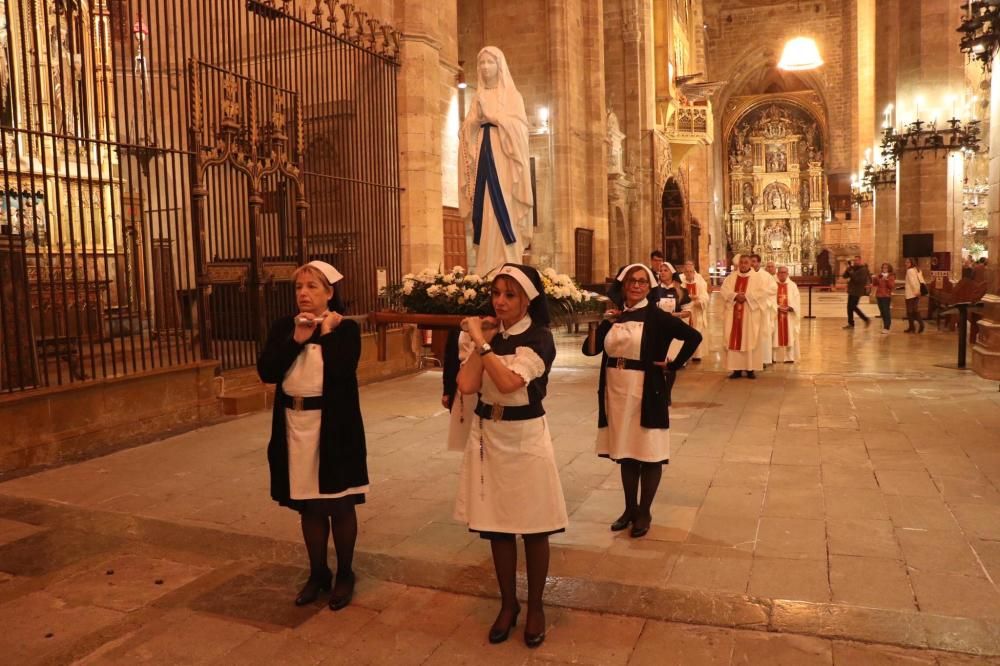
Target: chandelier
x,y
861,193
980,31
800,53
879,174
920,136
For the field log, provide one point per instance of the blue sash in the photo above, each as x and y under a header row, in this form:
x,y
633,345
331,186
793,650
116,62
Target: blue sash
x,y
486,176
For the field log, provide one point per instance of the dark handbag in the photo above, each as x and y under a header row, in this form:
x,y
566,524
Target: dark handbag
x,y
923,289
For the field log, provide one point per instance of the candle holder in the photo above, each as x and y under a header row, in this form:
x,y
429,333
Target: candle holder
x,y
980,30
921,137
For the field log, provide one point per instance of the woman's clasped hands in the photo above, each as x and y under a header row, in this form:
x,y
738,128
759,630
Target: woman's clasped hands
x,y
306,322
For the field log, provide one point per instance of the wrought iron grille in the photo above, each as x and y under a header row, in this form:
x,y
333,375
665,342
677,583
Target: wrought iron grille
x,y
128,242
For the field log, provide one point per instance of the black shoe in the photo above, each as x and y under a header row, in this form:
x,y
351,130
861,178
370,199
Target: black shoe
x,y
623,521
848,326
751,375
314,586
533,640
696,360
640,526
343,591
736,374
498,635
868,322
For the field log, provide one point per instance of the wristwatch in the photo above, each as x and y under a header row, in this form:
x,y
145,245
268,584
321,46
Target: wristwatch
x,y
485,349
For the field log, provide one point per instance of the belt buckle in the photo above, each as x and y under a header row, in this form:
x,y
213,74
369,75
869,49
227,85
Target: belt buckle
x,y
298,403
496,412
620,363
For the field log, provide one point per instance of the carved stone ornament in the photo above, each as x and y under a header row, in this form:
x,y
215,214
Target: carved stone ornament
x,y
230,102
615,139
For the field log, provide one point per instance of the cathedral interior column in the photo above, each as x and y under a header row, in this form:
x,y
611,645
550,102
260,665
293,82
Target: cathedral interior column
x,y
929,69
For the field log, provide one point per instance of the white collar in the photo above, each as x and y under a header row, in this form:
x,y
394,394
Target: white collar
x,y
517,329
638,306
749,272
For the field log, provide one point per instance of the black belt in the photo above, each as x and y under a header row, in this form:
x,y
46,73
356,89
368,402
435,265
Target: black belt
x,y
299,404
508,413
625,363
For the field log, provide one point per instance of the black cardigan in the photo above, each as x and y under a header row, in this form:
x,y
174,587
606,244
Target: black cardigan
x,y
450,366
342,455
659,329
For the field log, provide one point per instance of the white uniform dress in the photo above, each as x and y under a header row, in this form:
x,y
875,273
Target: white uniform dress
x,y
625,438
305,380
509,482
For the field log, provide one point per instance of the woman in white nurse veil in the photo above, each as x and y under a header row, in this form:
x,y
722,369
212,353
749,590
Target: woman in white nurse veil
x,y
494,171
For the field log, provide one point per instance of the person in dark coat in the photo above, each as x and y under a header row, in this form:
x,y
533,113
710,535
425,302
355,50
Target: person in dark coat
x,y
859,280
317,454
633,393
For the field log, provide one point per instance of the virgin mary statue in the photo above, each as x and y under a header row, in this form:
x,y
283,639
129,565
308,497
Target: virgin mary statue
x,y
494,173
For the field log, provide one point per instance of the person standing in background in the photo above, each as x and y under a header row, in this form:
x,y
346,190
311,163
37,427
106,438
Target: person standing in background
x,y
885,283
745,297
913,288
858,279
786,329
700,298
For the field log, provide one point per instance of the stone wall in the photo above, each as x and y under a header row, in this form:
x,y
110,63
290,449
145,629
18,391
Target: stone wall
x,y
426,84
743,37
49,425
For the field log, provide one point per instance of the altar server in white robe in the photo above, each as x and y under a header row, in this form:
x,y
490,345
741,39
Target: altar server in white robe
x,y
745,295
786,329
697,290
770,313
509,482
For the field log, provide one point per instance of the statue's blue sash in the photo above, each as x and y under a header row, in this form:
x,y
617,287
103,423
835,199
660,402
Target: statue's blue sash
x,y
486,176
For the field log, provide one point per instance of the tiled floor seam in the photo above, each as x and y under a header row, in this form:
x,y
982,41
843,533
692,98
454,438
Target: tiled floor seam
x,y
877,626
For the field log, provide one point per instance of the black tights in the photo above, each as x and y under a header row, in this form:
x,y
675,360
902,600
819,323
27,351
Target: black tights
x,y
636,473
536,554
318,521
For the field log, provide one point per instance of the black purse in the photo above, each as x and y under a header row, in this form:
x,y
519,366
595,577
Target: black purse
x,y
923,289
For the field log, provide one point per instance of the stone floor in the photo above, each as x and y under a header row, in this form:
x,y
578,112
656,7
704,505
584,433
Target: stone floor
x,y
815,515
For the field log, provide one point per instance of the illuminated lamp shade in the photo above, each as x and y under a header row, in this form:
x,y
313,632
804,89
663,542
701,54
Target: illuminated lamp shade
x,y
800,54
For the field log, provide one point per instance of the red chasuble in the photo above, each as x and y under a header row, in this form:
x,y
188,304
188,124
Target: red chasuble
x,y
782,316
736,335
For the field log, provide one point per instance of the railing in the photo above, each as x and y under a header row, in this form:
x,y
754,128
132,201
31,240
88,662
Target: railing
x,y
691,124
104,269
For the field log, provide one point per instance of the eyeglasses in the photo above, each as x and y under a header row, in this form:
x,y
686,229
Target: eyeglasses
x,y
641,283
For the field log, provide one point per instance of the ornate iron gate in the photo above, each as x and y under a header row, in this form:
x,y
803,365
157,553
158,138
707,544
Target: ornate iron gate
x,y
128,242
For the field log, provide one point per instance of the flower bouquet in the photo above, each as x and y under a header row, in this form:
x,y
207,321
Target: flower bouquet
x,y
567,301
458,292
455,292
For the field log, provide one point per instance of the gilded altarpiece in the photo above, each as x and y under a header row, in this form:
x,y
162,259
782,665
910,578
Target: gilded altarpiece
x,y
775,199
59,188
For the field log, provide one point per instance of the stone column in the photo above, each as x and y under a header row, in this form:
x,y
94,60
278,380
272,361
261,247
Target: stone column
x,y
993,231
887,244
425,63
930,66
637,119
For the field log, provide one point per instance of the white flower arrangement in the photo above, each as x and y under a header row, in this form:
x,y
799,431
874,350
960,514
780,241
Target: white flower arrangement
x,y
459,292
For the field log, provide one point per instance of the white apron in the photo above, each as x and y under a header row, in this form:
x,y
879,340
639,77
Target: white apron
x,y
509,481
625,437
305,380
